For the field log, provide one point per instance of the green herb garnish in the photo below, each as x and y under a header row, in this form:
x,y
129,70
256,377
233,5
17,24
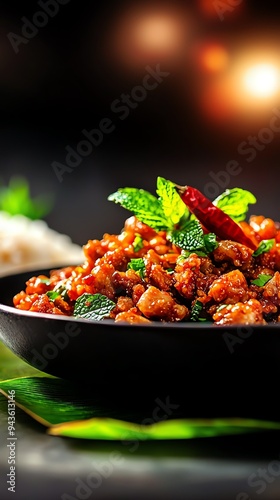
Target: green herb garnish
x,y
196,310
95,307
262,279
263,247
192,239
53,295
169,213
137,243
58,291
138,265
146,207
210,242
235,203
172,205
161,213
62,291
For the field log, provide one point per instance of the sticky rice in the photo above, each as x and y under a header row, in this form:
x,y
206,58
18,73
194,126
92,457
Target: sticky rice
x,y
32,244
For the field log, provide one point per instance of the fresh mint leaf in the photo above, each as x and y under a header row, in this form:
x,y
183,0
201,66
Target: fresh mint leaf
x,y
58,291
163,213
196,310
210,242
172,205
95,307
138,265
145,206
53,295
264,246
62,291
235,203
137,243
262,279
192,239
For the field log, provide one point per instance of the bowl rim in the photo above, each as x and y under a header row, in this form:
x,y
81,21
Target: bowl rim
x,y
184,325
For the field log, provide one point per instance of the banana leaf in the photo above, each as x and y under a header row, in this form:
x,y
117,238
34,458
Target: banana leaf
x,y
70,410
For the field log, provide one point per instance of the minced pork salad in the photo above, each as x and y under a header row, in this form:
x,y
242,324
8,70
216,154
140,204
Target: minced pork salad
x,y
179,258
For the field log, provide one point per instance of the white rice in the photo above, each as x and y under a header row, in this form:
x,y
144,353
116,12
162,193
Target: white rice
x,y
31,244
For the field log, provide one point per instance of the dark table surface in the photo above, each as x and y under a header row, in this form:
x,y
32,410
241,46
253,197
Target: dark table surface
x,y
229,468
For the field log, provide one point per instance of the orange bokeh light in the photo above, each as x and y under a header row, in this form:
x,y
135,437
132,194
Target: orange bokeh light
x,y
243,89
143,35
157,33
257,78
214,58
262,80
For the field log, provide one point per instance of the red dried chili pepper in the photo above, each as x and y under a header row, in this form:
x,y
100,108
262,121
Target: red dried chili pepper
x,y
212,217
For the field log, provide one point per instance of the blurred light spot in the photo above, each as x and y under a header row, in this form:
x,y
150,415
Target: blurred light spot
x,y
244,94
144,35
157,33
214,58
262,80
256,77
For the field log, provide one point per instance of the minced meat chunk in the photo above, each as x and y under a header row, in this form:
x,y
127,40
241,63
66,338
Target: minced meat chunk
x,y
233,252
229,288
271,290
246,313
155,304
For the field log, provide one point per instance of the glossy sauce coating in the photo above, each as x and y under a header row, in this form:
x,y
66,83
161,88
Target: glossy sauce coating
x,y
172,284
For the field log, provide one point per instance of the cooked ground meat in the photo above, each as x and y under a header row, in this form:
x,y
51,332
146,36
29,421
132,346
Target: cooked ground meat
x,y
249,312
169,285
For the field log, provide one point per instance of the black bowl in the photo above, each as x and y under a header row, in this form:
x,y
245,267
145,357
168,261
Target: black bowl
x,y
208,370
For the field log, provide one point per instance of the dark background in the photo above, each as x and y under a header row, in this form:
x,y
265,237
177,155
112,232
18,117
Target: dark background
x,y
66,77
